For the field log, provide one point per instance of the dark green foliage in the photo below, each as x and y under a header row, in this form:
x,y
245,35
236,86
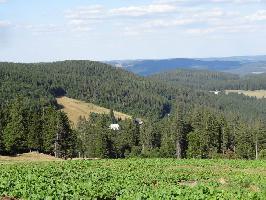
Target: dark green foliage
x,y
14,134
181,117
200,133
65,138
197,79
211,80
25,127
262,155
85,80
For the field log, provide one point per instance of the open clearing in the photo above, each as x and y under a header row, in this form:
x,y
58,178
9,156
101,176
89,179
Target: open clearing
x,y
76,109
31,157
256,93
135,179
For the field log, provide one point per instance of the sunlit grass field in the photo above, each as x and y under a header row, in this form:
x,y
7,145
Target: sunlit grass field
x,y
76,109
256,93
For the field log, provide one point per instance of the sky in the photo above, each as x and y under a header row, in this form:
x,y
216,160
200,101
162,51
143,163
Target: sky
x,y
51,30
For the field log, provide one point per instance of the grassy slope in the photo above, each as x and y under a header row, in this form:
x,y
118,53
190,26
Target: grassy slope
x,y
75,109
256,93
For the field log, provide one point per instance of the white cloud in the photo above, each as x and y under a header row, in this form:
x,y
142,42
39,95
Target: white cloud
x,y
3,1
260,15
168,23
85,12
4,23
165,14
136,11
82,18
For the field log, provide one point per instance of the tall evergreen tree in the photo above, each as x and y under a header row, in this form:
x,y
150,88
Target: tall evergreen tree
x,y
65,138
179,131
14,135
34,131
146,137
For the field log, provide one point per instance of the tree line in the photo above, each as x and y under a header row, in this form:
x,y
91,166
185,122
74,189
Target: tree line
x,y
211,80
25,128
186,132
197,132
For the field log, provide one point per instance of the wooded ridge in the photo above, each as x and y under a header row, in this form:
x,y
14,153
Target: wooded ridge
x,y
181,117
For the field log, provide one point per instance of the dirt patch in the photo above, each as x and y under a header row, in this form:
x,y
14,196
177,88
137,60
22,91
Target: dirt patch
x,y
254,188
222,181
189,183
8,198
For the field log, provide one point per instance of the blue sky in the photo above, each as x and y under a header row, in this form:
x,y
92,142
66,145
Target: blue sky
x,y
49,30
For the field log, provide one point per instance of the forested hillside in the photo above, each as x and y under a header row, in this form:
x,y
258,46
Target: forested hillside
x,y
90,81
210,80
181,119
197,79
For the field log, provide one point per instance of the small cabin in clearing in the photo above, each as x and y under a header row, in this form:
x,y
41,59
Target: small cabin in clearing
x,y
215,92
115,127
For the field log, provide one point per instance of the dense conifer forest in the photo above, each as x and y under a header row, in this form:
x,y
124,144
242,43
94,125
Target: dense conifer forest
x,y
181,117
210,80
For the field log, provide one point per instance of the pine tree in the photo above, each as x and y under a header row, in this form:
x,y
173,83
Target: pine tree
x,y
146,137
65,138
14,133
2,124
112,116
81,132
179,131
245,144
34,131
49,126
168,139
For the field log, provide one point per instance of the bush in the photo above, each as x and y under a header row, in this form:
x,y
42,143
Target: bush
x,y
227,155
135,152
262,154
152,153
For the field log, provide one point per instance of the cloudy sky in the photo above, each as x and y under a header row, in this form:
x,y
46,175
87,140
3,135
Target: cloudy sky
x,y
48,30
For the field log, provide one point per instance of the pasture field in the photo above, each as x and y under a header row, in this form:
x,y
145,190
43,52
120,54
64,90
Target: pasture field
x,y
27,157
75,109
256,93
134,179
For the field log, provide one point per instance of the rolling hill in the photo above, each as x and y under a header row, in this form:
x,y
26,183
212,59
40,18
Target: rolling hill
x,y
123,91
237,65
93,82
148,67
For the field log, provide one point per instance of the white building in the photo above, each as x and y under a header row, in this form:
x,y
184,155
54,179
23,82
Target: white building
x,y
115,127
215,92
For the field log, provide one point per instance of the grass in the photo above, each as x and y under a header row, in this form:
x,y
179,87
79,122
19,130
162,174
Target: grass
x,y
75,109
27,157
256,93
135,179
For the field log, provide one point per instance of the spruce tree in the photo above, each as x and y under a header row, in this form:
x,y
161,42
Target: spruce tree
x,y
65,138
146,137
14,135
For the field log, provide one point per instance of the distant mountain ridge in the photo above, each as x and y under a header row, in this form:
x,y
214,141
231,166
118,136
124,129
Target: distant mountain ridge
x,y
240,65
